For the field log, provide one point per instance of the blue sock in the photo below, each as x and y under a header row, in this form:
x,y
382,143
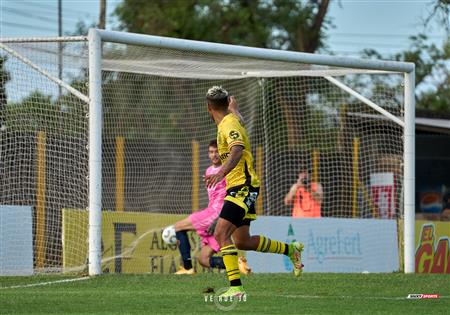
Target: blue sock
x,y
216,262
185,249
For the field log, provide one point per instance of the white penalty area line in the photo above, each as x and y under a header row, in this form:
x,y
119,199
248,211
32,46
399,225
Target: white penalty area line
x,y
44,283
291,296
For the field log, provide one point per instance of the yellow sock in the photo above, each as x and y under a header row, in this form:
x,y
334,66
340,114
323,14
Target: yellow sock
x,y
267,245
230,259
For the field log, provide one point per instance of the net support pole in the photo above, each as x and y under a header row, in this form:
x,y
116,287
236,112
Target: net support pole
x,y
242,51
409,173
195,174
365,100
95,153
120,173
40,202
355,181
59,82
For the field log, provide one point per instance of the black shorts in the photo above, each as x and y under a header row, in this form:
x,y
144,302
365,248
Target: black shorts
x,y
239,205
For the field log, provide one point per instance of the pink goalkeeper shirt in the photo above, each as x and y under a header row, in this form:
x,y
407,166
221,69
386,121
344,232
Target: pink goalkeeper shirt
x,y
217,193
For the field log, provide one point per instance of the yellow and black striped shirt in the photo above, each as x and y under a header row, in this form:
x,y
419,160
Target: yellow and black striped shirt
x,y
230,132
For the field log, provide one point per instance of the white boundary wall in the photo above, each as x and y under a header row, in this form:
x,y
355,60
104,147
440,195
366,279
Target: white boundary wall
x,y
331,244
16,241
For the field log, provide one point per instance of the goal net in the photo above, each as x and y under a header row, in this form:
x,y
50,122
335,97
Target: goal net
x,y
344,125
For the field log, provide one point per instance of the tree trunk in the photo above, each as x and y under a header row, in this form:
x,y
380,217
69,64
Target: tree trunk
x,y
102,17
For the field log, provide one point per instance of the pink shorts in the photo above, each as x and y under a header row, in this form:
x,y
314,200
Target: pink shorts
x,y
201,220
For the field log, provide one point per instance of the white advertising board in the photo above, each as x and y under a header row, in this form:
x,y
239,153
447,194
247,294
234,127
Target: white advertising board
x,y
331,244
16,241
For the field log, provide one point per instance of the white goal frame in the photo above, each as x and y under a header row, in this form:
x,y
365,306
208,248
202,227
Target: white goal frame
x,y
95,39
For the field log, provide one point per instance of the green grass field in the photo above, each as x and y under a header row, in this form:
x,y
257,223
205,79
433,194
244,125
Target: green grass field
x,y
314,293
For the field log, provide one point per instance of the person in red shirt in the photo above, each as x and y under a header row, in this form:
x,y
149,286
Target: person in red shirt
x,y
305,197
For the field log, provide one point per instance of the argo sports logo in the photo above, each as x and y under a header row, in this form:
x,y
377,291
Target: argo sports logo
x,y
415,296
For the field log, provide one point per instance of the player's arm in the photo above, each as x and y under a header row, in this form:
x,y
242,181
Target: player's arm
x,y
232,107
212,227
236,152
289,199
317,194
234,158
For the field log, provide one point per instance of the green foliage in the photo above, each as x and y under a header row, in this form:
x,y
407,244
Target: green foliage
x,y
432,66
34,113
81,29
299,25
287,24
129,100
427,57
38,112
438,100
432,72
143,106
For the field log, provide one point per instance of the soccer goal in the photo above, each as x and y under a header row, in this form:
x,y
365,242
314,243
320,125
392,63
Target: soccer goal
x,y
105,138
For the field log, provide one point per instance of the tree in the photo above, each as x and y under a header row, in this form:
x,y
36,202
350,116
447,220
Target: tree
x,y
4,78
281,24
432,67
81,29
286,24
441,11
432,71
299,25
439,98
102,16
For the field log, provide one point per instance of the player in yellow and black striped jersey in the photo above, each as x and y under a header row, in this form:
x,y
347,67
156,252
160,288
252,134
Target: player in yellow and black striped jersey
x,y
230,132
242,190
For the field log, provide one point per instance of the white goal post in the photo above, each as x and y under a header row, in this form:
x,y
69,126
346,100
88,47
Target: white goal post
x,y
211,63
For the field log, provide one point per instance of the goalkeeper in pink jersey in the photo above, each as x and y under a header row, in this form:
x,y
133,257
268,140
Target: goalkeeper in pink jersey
x,y
203,222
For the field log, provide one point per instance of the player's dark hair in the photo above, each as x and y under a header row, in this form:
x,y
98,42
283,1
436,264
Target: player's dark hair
x,y
217,98
213,143
218,104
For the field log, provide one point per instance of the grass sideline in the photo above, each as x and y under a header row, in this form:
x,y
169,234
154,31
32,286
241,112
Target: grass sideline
x,y
314,293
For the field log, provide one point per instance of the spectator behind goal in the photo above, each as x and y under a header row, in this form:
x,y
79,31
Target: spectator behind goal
x,y
305,197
